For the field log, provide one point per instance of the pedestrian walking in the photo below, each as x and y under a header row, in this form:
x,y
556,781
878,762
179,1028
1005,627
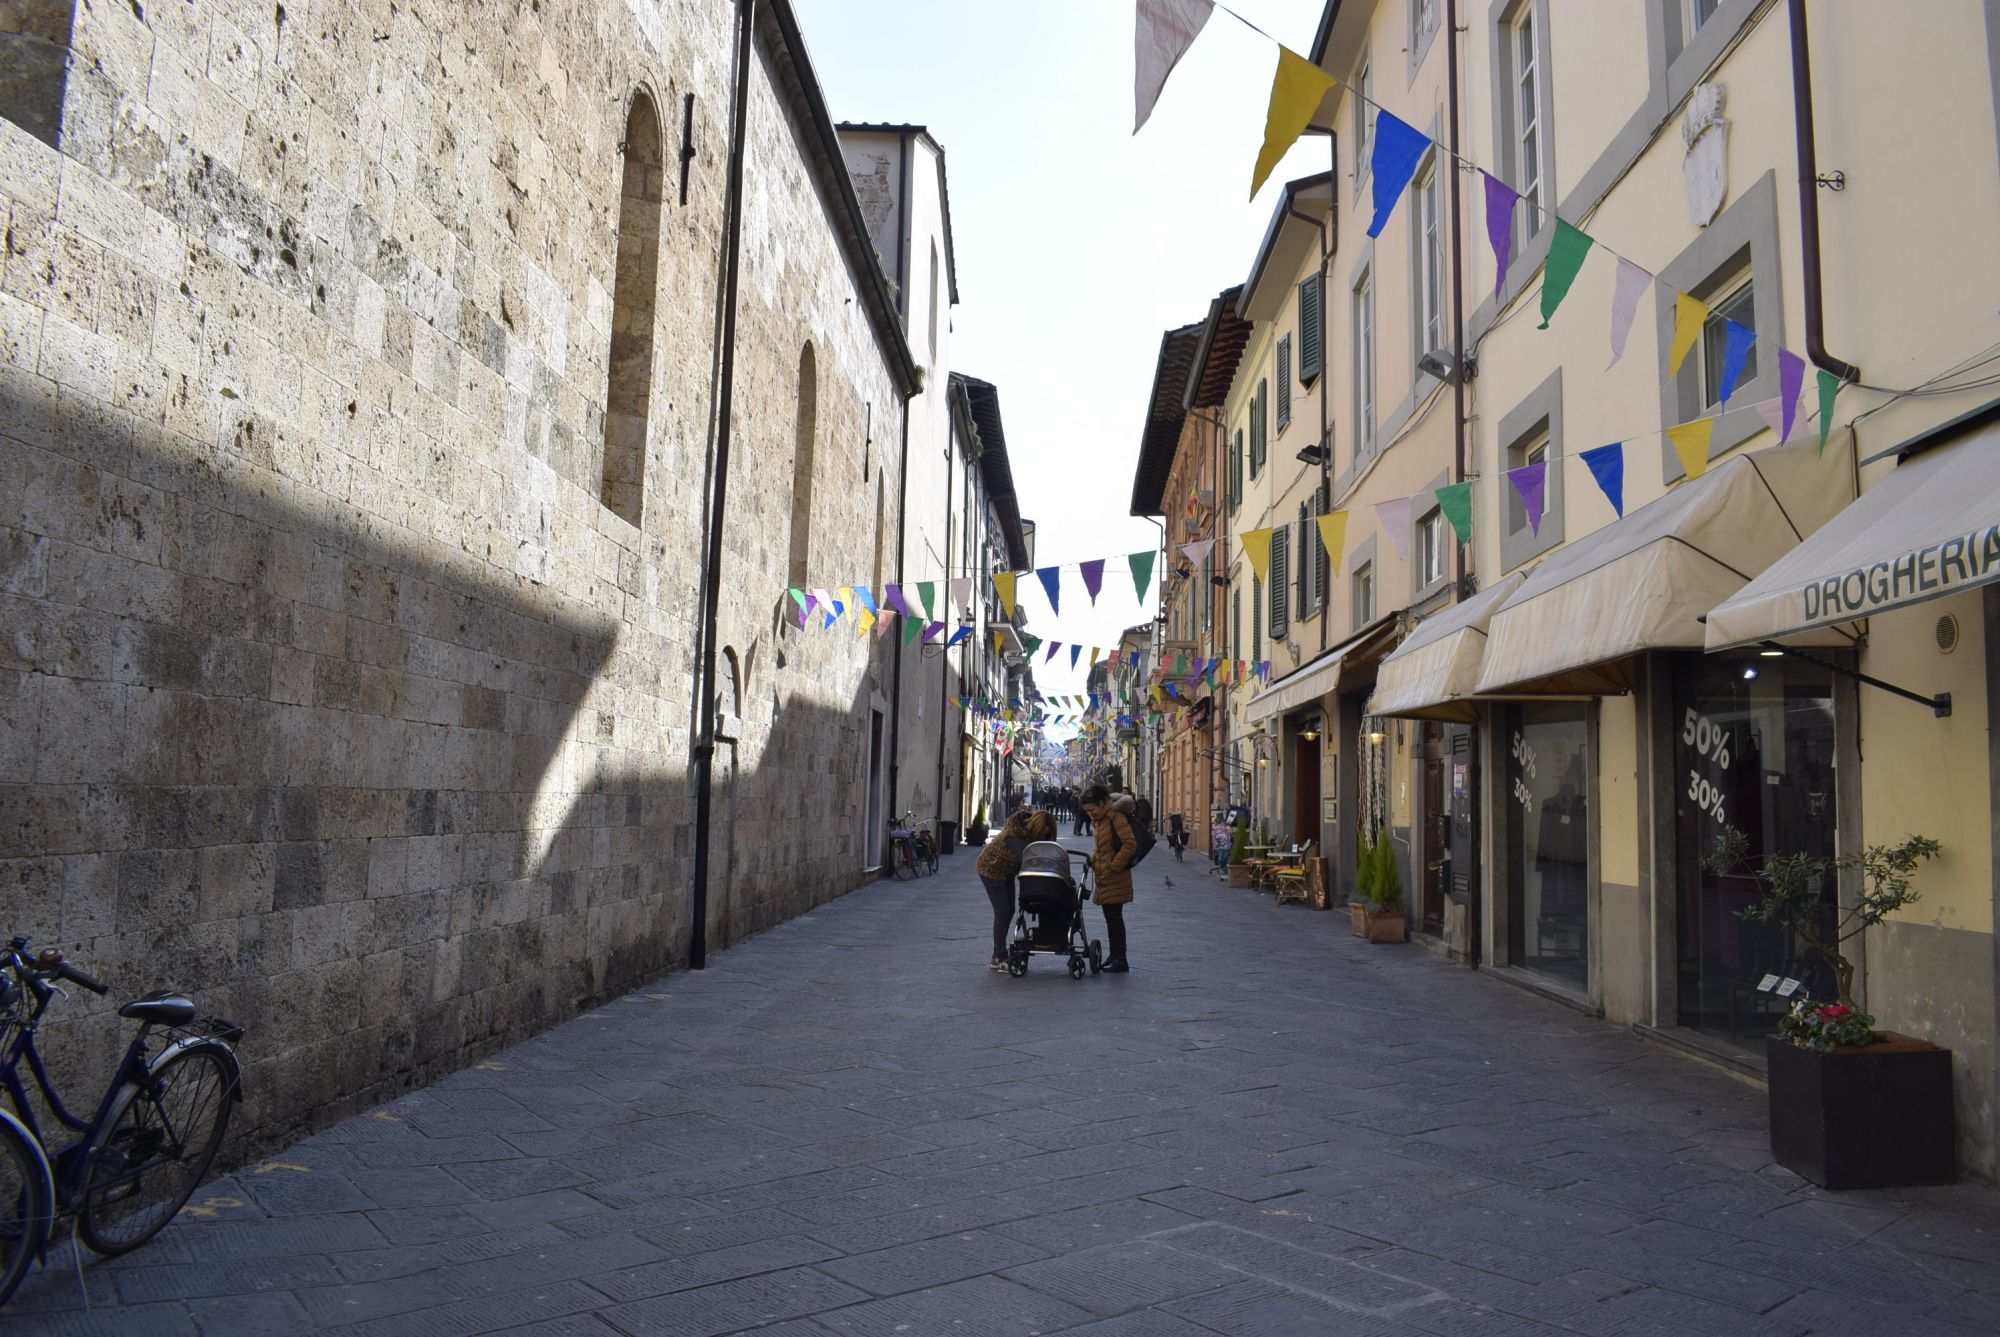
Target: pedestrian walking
x,y
998,864
1081,826
1111,862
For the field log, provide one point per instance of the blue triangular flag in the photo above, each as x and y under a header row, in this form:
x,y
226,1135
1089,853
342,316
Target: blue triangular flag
x,y
957,636
1051,577
1740,341
1075,653
1397,149
1607,466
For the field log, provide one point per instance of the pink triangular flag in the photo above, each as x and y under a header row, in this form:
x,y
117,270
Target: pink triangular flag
x,y
1093,577
1632,282
1394,517
1197,552
1772,411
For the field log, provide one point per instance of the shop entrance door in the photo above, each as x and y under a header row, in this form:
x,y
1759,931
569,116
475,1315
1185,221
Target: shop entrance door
x,y
1435,869
1305,791
1462,846
1754,750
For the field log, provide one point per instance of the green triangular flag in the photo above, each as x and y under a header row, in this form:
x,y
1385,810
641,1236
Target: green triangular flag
x,y
1456,503
1829,386
1566,251
911,627
1034,643
927,591
1142,572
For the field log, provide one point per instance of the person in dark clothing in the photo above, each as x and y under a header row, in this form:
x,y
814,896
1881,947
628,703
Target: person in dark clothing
x,y
1000,862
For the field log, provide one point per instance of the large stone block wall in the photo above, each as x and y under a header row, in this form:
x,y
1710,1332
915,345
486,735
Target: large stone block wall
x,y
329,688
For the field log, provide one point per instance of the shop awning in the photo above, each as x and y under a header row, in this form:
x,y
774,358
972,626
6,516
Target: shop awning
x,y
1433,670
1318,678
1644,582
1929,529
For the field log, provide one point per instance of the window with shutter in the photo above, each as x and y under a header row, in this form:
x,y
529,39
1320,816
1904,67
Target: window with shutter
x,y
1284,381
1281,586
1304,563
1236,624
1236,472
1321,563
1312,326
1256,620
1260,426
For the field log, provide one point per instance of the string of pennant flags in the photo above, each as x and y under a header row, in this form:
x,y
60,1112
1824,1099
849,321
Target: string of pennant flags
x,y
925,605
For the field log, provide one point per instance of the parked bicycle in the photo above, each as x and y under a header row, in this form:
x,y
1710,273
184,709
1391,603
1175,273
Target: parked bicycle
x,y
149,1145
912,848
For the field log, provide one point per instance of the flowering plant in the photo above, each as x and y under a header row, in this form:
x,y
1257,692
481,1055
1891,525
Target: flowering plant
x,y
1824,1027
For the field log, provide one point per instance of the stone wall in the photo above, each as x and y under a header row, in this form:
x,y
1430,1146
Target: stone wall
x,y
330,688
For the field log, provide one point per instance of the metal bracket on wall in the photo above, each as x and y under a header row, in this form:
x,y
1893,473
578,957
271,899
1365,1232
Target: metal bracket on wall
x,y
1940,704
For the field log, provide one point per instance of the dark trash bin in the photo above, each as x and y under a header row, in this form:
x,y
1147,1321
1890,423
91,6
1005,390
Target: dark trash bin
x,y
947,837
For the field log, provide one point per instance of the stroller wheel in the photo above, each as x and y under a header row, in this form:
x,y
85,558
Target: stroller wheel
x,y
1017,960
1076,965
1096,956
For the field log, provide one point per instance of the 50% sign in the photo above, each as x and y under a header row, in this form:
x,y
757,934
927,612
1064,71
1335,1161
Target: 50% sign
x,y
1524,771
1707,739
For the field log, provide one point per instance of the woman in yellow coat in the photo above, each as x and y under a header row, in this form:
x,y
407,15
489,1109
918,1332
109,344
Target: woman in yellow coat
x,y
1111,862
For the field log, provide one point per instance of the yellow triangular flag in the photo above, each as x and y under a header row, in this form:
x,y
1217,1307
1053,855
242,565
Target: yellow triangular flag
x,y
1257,547
1689,316
1094,653
1690,442
998,640
1296,92
1003,585
863,620
1333,537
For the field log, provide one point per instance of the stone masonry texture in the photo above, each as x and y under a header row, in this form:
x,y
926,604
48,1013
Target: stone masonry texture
x,y
849,1125
330,690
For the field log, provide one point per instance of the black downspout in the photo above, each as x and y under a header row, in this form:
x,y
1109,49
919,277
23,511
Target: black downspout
x,y
1802,118
944,660
704,743
1473,905
1325,445
902,479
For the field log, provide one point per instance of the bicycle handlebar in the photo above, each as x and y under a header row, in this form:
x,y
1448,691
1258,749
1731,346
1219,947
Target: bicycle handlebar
x,y
66,971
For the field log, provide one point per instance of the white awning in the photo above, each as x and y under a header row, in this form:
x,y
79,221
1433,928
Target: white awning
x,y
1433,670
1643,582
1318,678
1929,529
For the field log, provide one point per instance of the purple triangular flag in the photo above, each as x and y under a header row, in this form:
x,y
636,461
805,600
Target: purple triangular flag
x,y
892,598
1093,577
1791,379
1500,201
1051,578
1738,341
1053,647
931,632
1529,480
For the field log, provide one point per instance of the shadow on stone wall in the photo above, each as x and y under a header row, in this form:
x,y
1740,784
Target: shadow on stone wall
x,y
292,758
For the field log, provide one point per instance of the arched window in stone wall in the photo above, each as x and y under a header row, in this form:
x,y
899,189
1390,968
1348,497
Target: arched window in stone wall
x,y
805,433
628,399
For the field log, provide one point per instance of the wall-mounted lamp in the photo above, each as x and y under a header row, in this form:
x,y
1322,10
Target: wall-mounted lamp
x,y
1438,362
1313,454
1310,735
1375,733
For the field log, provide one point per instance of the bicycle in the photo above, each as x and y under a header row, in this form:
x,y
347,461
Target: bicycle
x,y
153,1138
911,848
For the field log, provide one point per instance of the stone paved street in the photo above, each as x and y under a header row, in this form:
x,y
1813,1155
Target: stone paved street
x,y
849,1126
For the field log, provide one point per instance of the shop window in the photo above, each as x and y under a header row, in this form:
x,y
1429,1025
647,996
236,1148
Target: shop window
x,y
1548,841
1754,750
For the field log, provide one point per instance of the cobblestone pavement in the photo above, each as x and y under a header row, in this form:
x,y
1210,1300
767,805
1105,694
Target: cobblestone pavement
x,y
848,1125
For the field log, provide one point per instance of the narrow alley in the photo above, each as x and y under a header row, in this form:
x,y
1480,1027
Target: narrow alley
x,y
849,1125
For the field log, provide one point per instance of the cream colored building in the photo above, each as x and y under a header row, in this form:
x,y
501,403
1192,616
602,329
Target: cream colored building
x,y
1631,696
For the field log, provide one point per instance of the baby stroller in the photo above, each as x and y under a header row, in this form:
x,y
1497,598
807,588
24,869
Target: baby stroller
x,y
1050,915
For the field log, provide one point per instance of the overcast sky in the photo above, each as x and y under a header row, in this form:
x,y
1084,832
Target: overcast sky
x,y
1077,244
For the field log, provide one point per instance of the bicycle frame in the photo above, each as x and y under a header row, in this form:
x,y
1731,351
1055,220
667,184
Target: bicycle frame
x,y
66,1166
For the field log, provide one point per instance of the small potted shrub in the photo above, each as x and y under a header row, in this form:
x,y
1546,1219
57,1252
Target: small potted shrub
x,y
975,830
1851,1106
1239,854
1385,894
1364,884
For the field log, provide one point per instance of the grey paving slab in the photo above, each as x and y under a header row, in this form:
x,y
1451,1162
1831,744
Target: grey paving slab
x,y
1269,1127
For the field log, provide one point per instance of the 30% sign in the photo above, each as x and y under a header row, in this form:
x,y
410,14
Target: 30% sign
x,y
1710,740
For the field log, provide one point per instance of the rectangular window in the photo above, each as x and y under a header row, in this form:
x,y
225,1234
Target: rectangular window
x,y
1364,366
1364,594
1423,21
1321,572
1236,624
1430,550
1280,588
1256,620
1430,260
1364,122
1260,427
1529,150
1700,12
1308,545
1737,303
1236,472
1312,335
1284,381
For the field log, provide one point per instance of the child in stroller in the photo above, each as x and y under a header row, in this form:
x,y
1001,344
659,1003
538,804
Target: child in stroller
x,y
1050,918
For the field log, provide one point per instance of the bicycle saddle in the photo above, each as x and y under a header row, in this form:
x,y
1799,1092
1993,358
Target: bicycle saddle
x,y
162,1008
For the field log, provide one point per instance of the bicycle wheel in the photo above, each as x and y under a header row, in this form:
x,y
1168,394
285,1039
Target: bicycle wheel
x,y
159,1147
930,856
900,861
26,1204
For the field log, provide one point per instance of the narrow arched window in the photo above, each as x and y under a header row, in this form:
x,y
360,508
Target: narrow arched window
x,y
628,398
805,429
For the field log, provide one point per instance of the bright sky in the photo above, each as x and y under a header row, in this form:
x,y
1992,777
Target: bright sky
x,y
1077,244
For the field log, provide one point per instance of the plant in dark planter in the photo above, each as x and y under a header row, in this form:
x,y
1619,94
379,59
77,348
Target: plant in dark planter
x,y
1386,922
1239,854
1851,1107
1364,885
975,830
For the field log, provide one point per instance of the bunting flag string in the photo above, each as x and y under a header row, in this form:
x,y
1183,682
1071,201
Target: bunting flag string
x,y
1737,342
1093,578
1333,538
1566,251
1690,442
1051,578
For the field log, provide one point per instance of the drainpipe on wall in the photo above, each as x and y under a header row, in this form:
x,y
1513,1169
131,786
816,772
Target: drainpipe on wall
x,y
944,658
1802,118
896,672
1457,282
704,733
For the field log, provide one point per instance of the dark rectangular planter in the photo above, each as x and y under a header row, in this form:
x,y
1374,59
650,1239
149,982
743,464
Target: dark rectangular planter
x,y
1878,1117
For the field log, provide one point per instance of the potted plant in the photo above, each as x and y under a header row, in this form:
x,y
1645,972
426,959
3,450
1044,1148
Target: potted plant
x,y
1239,854
975,830
1385,894
1851,1106
1364,884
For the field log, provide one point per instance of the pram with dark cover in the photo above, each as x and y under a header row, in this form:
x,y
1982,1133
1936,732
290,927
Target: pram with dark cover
x,y
1049,917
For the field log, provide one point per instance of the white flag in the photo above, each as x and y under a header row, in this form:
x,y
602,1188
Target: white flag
x,y
1165,30
1197,553
1395,520
961,594
1632,282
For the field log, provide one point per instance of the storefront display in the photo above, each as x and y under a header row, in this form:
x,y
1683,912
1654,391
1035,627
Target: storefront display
x,y
1754,747
1548,841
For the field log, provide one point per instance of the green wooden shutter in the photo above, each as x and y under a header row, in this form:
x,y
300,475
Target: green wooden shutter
x,y
1312,319
1281,587
1256,620
1284,381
